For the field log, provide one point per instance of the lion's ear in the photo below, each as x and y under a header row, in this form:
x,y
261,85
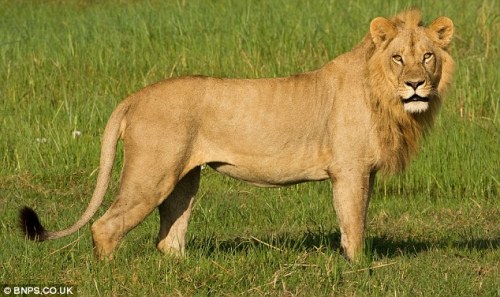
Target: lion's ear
x,y
382,30
441,31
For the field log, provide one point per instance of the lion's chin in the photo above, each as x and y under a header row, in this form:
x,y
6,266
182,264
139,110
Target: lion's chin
x,y
416,104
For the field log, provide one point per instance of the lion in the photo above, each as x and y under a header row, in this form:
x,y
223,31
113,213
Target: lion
x,y
364,112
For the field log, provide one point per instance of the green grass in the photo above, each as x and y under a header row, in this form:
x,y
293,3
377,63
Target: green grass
x,y
64,65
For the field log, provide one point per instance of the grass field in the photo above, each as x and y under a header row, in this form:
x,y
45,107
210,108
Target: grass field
x,y
64,65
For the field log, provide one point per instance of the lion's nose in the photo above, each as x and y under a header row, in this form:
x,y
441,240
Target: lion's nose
x,y
414,84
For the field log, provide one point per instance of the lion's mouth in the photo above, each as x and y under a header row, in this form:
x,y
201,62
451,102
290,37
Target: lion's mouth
x,y
415,98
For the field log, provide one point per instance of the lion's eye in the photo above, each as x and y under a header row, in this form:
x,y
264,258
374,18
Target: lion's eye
x,y
428,56
397,58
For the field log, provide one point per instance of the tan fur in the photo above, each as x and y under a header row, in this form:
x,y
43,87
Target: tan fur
x,y
344,122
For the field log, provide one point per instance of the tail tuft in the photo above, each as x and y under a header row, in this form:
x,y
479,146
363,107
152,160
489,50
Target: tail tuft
x,y
30,225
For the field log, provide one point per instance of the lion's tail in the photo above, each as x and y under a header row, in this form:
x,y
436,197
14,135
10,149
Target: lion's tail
x,y
29,221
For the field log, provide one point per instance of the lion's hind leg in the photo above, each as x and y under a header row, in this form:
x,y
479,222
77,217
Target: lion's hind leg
x,y
146,181
175,212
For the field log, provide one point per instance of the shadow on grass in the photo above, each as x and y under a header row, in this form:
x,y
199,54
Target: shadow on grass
x,y
308,241
411,246
314,241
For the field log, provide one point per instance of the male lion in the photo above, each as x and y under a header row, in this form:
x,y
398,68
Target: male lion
x,y
363,112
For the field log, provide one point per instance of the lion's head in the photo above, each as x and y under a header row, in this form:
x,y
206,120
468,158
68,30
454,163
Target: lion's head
x,y
409,68
411,61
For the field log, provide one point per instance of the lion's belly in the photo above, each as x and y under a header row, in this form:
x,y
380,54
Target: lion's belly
x,y
272,172
268,159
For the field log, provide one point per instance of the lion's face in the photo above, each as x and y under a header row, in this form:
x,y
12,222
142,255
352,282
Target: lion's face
x,y
411,58
414,70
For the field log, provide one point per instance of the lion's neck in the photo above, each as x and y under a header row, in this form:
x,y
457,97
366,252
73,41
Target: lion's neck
x,y
398,138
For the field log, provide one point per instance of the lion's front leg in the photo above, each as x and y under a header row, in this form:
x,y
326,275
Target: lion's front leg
x,y
351,197
175,212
